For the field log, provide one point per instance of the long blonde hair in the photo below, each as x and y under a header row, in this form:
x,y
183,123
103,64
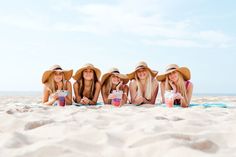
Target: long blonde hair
x,y
52,87
180,86
148,91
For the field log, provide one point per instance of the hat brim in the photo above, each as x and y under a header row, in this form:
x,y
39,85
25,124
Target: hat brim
x,y
132,75
79,72
123,77
183,70
67,74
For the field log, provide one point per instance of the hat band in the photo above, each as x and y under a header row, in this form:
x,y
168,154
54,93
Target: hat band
x,y
170,69
57,68
141,66
115,72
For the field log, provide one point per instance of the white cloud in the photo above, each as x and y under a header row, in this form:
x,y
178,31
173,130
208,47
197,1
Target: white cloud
x,y
173,43
25,21
202,39
105,19
215,38
136,18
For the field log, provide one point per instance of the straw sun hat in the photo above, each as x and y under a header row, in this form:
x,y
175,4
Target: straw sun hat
x,y
116,72
78,74
141,65
173,67
47,73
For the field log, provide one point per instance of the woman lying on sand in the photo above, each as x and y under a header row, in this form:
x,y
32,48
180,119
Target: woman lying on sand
x,y
87,85
143,85
56,79
113,82
177,79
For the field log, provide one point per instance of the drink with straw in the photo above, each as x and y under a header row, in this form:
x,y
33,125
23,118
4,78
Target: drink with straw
x,y
169,98
61,97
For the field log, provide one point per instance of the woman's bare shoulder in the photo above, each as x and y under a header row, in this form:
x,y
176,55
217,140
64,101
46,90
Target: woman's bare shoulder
x,y
155,82
76,83
125,86
46,86
133,83
98,84
190,85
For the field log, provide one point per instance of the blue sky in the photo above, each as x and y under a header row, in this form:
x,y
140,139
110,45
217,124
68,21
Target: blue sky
x,y
198,34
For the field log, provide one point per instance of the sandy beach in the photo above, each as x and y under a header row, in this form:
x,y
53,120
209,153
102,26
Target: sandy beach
x,y
29,129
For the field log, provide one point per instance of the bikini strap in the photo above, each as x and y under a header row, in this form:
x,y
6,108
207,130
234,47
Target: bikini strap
x,y
187,83
65,85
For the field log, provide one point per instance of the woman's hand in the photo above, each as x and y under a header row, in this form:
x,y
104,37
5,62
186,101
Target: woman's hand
x,y
178,96
55,96
118,85
111,96
173,86
139,100
84,101
124,96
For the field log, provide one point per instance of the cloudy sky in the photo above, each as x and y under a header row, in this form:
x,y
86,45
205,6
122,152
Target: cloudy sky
x,y
198,34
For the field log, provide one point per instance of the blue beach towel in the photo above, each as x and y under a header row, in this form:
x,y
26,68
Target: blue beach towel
x,y
98,104
210,105
206,105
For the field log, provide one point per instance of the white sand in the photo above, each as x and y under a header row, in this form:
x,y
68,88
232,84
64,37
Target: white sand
x,y
30,130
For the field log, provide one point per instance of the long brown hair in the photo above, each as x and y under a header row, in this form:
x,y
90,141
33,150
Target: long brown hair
x,y
92,88
180,86
107,86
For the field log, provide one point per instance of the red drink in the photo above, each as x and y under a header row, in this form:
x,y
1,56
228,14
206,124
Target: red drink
x,y
62,101
116,101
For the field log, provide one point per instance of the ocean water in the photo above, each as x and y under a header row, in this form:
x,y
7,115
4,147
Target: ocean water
x,y
214,94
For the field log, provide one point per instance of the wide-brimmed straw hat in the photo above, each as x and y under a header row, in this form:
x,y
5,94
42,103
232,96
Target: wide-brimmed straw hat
x,y
173,67
141,65
78,74
116,72
47,73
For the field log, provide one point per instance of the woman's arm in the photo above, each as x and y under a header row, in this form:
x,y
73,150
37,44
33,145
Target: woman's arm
x,y
125,94
46,97
156,89
76,91
162,91
135,99
189,96
105,96
69,96
96,94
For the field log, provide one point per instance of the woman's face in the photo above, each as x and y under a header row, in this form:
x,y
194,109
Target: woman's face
x,y
88,74
58,76
173,76
115,79
142,73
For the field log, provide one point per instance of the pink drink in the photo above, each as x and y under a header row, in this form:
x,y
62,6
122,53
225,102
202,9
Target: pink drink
x,y
169,102
169,98
116,101
62,101
117,96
